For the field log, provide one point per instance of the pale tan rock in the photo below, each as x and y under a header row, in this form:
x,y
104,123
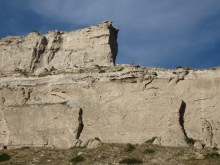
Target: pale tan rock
x,y
41,72
80,99
93,143
95,45
122,112
157,141
1,146
199,156
198,145
31,129
2,100
80,153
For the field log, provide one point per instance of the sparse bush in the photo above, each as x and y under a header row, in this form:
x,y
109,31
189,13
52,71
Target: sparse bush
x,y
189,68
25,147
178,67
77,159
150,141
129,148
4,157
130,161
212,155
101,71
149,151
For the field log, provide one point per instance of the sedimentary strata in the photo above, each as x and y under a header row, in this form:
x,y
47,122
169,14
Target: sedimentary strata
x,y
52,94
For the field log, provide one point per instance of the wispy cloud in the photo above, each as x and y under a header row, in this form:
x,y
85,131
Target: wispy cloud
x,y
152,32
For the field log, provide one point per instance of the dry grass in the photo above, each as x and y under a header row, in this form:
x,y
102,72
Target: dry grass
x,y
108,154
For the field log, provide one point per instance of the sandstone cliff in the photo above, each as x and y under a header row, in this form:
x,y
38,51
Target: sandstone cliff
x,y
96,45
77,101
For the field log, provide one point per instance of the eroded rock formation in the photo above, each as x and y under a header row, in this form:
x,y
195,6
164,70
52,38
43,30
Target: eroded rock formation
x,y
80,100
95,45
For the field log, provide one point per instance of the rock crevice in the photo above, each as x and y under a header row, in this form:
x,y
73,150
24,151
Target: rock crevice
x,y
81,125
181,117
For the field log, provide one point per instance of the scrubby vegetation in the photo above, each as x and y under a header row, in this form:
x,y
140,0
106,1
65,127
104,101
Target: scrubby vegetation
x,y
130,161
77,159
186,68
212,155
4,157
129,147
178,67
149,151
110,154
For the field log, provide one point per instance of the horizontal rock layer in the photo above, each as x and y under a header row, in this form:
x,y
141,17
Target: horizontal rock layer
x,y
122,104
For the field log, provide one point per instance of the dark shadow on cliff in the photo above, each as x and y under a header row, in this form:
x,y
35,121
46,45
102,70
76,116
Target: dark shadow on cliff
x,y
113,42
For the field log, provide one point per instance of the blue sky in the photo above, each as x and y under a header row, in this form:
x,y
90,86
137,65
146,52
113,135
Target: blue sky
x,y
162,33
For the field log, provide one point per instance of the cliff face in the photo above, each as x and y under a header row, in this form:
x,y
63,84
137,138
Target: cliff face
x,y
96,45
122,103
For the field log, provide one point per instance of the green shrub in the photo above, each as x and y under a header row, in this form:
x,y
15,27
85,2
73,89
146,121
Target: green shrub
x,y
129,147
212,155
4,157
189,68
101,71
25,147
130,161
150,141
178,67
77,159
149,151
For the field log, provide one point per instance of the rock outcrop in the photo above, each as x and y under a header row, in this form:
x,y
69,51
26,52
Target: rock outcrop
x,y
95,45
96,100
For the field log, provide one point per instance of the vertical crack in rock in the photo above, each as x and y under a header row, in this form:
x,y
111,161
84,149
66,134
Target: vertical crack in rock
x,y
39,50
81,125
181,118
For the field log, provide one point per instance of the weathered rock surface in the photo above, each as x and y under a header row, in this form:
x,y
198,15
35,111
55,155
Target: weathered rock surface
x,y
124,104
44,111
95,45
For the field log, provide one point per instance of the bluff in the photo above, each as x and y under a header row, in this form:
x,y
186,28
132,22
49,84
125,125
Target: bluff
x,y
95,45
63,88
